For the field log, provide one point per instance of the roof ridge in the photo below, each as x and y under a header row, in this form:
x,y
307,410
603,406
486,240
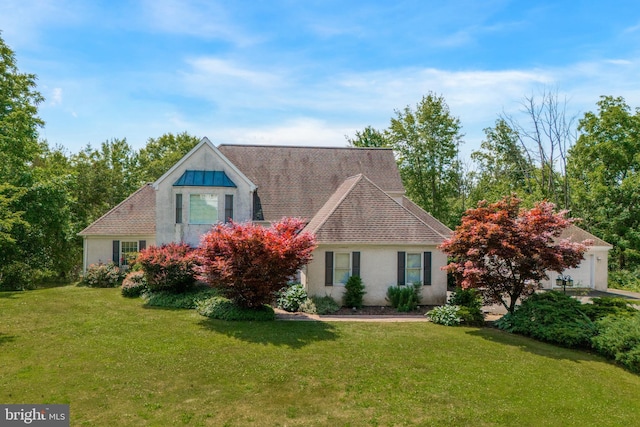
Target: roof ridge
x,y
304,147
356,178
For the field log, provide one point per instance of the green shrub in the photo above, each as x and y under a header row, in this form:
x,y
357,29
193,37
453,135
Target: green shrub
x,y
552,317
133,284
445,315
325,305
222,308
470,303
102,276
353,292
308,307
404,298
619,339
291,297
188,299
606,306
16,276
625,279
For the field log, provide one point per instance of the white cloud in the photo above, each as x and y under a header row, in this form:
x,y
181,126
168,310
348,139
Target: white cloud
x,y
56,97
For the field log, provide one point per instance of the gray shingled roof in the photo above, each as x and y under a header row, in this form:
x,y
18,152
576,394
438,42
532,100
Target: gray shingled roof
x,y
297,181
361,212
135,215
577,234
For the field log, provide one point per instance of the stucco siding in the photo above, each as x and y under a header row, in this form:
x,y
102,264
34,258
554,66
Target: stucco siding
x,y
591,273
205,158
378,270
99,249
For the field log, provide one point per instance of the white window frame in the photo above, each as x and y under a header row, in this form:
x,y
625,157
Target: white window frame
x,y
419,268
123,252
336,269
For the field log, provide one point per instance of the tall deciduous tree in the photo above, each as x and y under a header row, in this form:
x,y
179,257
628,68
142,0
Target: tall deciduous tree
x,y
19,121
502,167
426,142
605,167
369,137
506,252
160,154
249,262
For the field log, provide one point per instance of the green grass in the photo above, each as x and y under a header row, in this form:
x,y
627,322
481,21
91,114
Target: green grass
x,y
118,363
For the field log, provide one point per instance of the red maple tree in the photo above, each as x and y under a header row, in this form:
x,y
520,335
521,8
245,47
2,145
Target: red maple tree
x,y
506,251
249,262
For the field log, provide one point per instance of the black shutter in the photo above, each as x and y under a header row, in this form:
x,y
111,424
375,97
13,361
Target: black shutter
x,y
115,256
355,263
328,268
401,264
142,244
427,269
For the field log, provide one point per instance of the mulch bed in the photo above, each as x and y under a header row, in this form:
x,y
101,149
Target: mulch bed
x,y
381,311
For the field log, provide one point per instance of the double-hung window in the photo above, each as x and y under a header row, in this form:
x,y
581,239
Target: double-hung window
x,y
339,266
414,267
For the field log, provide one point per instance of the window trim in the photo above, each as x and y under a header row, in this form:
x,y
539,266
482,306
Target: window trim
x,y
330,266
123,257
425,267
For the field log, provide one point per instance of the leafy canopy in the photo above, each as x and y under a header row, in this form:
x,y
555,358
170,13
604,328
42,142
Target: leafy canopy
x,y
506,251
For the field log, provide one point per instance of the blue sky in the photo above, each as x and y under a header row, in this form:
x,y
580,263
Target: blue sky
x,y
310,72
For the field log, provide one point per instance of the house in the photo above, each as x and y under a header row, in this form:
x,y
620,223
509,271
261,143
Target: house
x,y
352,199
593,271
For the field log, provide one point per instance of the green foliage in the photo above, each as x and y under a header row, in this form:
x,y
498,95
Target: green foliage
x,y
606,306
447,315
291,297
605,171
308,306
353,292
134,284
619,339
187,299
404,298
628,280
16,276
325,304
102,276
222,308
552,317
160,154
470,303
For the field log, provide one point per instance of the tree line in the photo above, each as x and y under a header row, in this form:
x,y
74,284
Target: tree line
x,y
589,166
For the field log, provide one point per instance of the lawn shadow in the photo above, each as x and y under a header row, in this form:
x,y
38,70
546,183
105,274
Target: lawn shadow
x,y
9,294
4,338
288,334
530,345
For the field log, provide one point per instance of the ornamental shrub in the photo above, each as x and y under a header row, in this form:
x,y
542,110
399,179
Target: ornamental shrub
x,y
17,276
445,315
222,308
187,299
470,303
619,339
102,276
404,298
605,306
249,262
291,297
353,292
325,304
308,307
169,267
133,284
552,317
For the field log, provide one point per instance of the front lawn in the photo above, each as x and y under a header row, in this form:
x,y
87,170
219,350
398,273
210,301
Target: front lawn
x,y
118,363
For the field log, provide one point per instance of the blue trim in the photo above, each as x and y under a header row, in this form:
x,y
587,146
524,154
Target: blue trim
x,y
192,178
